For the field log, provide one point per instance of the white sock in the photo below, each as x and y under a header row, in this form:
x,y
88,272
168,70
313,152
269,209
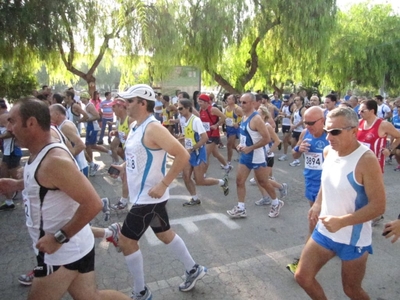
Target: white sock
x,y
241,205
123,200
275,201
109,152
226,167
178,248
91,163
134,262
9,202
107,233
221,182
195,197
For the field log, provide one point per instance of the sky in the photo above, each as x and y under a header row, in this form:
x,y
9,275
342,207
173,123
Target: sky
x,y
345,3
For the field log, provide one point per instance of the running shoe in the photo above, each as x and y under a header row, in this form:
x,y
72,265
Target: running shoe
x,y
228,169
225,187
263,201
143,295
7,207
275,209
253,181
236,212
26,279
283,190
293,266
195,274
116,230
295,163
106,204
119,206
389,160
93,169
397,168
377,221
283,157
192,202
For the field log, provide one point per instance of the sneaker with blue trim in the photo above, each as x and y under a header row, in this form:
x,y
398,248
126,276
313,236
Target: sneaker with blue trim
x,y
197,273
143,295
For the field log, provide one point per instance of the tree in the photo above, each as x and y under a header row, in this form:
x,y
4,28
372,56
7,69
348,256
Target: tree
x,y
225,37
364,49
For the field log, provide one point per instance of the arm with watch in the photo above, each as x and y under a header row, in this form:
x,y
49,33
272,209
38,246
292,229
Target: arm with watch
x,y
73,183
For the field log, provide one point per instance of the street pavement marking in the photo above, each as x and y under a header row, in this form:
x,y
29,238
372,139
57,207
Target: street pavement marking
x,y
248,263
188,223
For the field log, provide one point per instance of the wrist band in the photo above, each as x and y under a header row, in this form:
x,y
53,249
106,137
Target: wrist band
x,y
164,183
297,149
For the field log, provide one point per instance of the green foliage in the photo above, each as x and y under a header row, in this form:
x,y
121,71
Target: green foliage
x,y
14,85
364,49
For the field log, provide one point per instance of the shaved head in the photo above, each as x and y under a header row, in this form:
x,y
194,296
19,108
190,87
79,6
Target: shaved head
x,y
314,112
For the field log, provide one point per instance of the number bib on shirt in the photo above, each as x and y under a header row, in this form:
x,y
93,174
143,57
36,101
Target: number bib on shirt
x,y
164,118
27,206
206,126
242,140
188,143
229,122
313,161
131,163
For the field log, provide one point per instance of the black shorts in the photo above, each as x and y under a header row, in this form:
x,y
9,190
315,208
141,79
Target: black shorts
x,y
141,216
12,161
83,265
270,161
296,135
214,139
285,129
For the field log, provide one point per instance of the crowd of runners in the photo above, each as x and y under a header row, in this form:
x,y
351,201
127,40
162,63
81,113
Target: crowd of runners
x,y
352,137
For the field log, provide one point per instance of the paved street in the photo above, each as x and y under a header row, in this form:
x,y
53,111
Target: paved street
x,y
246,258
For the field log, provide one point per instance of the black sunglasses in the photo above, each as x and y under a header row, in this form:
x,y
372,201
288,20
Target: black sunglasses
x,y
312,123
180,108
337,131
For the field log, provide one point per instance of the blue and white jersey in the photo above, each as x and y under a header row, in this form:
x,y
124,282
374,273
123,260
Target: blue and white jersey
x,y
342,195
145,167
249,137
314,158
396,118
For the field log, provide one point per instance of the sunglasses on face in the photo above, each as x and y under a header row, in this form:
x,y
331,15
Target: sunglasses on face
x,y
337,131
312,122
363,111
180,108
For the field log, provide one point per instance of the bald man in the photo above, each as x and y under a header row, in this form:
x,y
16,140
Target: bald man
x,y
312,142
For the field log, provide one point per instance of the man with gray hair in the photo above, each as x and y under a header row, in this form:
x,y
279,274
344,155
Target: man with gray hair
x,y
351,195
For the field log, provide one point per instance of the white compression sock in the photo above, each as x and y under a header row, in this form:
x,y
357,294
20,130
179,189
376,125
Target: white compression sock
x,y
178,248
134,262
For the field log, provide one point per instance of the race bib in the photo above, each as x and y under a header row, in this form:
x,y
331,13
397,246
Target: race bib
x,y
242,140
121,136
206,126
164,118
131,163
27,207
313,161
229,122
188,143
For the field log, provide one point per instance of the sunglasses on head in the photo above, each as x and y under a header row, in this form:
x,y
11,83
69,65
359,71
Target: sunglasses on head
x,y
312,123
337,131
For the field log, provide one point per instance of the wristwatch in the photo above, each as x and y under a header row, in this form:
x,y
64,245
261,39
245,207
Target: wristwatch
x,y
61,237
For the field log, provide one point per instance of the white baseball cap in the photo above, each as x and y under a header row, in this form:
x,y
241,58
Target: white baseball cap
x,y
139,90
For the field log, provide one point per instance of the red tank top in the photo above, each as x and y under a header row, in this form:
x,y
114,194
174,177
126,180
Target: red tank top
x,y
370,138
208,120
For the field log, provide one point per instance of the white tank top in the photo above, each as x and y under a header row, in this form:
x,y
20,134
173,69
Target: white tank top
x,y
80,158
296,119
342,195
286,117
96,126
8,143
56,209
145,167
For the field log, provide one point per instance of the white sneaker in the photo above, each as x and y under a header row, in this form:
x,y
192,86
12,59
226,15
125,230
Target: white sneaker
x,y
295,163
275,209
253,181
283,157
263,201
